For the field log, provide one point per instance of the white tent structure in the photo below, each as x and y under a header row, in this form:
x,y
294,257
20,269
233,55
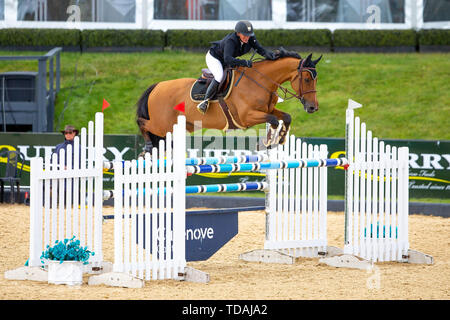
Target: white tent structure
x,y
264,14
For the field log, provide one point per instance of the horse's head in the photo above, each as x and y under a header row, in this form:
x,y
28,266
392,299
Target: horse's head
x,y
306,84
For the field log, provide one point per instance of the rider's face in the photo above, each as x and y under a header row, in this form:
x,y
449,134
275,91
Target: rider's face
x,y
243,38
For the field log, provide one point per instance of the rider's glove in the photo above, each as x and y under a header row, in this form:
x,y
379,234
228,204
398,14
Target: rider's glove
x,y
270,55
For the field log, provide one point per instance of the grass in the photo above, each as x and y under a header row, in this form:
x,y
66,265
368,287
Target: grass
x,y
404,96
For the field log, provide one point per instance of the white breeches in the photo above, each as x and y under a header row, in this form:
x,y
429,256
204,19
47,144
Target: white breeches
x,y
215,67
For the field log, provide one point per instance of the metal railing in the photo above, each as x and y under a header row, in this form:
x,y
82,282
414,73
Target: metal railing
x,y
47,87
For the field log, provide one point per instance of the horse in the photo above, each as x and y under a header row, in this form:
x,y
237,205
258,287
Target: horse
x,y
250,103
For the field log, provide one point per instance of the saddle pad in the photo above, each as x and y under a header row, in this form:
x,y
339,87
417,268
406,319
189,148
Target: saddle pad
x,y
198,89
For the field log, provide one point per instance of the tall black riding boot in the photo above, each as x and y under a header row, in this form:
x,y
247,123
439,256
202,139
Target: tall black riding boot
x,y
210,92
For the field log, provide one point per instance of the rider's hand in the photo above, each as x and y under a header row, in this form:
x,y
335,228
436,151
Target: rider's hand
x,y
248,63
270,55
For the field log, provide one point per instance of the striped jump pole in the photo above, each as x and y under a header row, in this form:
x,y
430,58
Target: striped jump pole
x,y
230,187
208,160
207,188
273,165
227,159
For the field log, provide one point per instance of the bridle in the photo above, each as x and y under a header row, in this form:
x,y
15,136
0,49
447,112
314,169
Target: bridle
x,y
300,69
286,91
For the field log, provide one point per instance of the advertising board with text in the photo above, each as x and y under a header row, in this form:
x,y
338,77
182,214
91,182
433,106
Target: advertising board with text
x,y
429,161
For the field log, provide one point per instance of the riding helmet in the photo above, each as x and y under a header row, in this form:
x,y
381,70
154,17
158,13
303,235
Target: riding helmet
x,y
244,27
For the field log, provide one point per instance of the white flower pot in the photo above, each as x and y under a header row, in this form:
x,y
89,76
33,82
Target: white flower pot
x,y
68,272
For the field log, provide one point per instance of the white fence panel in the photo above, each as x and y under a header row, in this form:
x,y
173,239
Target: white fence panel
x,y
59,199
377,196
297,202
150,211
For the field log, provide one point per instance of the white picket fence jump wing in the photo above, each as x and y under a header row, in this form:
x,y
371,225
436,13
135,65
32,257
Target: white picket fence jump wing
x,y
297,202
376,196
150,226
66,195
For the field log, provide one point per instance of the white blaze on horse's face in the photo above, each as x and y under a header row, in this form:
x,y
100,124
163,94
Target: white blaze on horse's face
x,y
309,97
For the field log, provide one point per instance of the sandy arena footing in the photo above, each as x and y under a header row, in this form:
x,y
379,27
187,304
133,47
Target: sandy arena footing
x,y
235,279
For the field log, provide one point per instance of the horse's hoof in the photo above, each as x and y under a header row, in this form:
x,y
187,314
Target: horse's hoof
x,y
260,146
264,145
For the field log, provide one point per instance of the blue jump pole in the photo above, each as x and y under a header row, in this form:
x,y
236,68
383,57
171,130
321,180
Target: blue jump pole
x,y
258,166
226,159
211,160
229,187
209,188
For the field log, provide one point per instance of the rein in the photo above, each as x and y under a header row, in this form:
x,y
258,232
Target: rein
x,y
279,86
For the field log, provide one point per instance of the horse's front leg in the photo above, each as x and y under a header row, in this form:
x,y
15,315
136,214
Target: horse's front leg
x,y
286,117
255,117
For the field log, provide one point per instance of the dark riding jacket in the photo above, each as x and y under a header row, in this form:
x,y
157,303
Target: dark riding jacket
x,y
230,47
63,146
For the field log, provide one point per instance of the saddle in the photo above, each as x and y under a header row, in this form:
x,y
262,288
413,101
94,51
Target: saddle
x,y
198,89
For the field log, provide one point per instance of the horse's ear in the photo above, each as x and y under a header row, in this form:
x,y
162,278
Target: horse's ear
x,y
317,61
308,58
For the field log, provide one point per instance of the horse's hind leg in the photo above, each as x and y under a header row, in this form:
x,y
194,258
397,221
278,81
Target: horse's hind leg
x,y
151,139
141,122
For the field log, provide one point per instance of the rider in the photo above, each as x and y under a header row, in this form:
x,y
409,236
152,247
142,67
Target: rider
x,y
224,52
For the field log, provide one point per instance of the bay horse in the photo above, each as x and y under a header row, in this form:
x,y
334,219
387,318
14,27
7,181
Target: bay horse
x,y
250,103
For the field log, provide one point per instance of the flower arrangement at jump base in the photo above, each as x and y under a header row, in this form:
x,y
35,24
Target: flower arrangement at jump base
x,y
67,250
65,261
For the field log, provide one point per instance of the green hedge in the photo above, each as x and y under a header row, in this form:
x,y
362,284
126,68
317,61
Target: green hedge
x,y
273,38
193,38
110,38
374,38
132,40
294,37
40,38
434,37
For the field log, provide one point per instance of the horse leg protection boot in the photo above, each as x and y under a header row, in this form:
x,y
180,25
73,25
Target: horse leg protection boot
x,y
210,92
148,146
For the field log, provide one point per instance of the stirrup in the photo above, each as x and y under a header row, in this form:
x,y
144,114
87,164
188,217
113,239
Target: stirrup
x,y
203,110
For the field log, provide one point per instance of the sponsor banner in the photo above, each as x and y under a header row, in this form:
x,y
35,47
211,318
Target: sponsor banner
x,y
116,147
206,233
429,166
429,163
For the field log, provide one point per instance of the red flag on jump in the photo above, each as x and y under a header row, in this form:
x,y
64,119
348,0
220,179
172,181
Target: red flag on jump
x,y
105,104
180,107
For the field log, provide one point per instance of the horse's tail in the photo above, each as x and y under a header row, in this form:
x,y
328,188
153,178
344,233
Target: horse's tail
x,y
143,120
142,104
